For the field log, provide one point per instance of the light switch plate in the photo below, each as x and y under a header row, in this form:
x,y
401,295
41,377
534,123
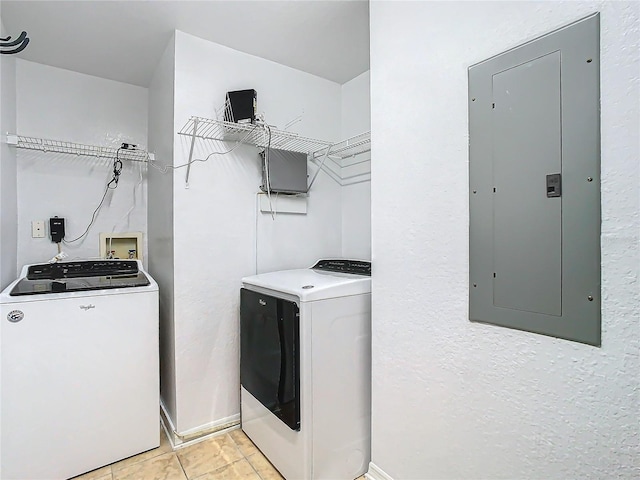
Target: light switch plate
x,y
37,229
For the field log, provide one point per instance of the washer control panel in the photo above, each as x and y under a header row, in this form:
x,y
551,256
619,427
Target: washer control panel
x,y
87,268
81,275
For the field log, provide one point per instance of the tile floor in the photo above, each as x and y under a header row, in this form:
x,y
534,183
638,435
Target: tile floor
x,y
231,456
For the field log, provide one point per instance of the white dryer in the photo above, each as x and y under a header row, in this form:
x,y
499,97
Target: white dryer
x,y
305,368
80,381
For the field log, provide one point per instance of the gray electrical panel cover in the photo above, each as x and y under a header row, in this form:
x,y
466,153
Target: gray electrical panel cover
x,y
287,171
534,185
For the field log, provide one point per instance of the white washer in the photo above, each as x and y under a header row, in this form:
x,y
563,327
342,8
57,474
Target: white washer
x,y
80,382
306,368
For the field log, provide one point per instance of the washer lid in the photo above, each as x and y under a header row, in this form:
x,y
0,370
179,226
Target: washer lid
x,y
310,285
77,279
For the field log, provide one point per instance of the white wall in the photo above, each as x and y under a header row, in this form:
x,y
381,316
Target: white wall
x,y
215,224
58,104
160,216
8,175
455,399
356,106
356,198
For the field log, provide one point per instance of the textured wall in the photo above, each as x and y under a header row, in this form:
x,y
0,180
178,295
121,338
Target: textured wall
x,y
356,198
58,104
455,399
8,175
219,237
160,215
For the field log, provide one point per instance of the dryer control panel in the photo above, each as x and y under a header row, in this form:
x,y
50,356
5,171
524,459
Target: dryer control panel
x,y
357,267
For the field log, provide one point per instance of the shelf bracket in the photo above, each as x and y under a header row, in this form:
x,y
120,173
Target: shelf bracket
x,y
324,159
193,141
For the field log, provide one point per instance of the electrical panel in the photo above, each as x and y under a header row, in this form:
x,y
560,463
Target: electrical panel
x,y
534,166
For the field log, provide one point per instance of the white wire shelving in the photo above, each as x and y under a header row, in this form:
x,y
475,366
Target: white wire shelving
x,y
350,147
351,166
79,149
261,135
251,134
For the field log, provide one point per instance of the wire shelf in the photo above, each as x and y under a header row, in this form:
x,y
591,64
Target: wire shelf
x,y
350,147
251,134
261,135
70,148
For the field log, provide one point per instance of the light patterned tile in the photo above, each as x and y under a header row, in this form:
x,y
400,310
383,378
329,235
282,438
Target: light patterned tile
x,y
163,467
103,473
164,447
263,467
240,470
208,455
244,443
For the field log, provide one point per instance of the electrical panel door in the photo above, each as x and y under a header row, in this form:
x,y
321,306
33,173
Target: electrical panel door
x,y
527,226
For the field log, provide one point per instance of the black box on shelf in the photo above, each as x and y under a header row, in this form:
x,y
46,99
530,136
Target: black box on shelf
x,y
241,106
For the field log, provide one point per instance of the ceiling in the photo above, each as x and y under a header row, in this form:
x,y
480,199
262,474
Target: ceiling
x,y
123,40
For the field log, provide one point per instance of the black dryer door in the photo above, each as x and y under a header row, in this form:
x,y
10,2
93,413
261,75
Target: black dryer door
x,y
269,353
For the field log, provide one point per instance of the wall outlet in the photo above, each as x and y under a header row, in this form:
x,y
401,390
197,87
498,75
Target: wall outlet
x,y
37,229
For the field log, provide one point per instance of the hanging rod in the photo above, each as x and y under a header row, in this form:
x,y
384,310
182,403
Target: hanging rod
x,y
71,148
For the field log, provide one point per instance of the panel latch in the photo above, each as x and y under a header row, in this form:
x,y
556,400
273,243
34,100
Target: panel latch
x,y
554,185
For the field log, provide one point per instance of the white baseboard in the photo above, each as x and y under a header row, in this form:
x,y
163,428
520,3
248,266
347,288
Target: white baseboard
x,y
376,473
194,435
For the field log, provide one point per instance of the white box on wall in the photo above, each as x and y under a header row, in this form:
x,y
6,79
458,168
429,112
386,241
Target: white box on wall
x,y
282,203
121,244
